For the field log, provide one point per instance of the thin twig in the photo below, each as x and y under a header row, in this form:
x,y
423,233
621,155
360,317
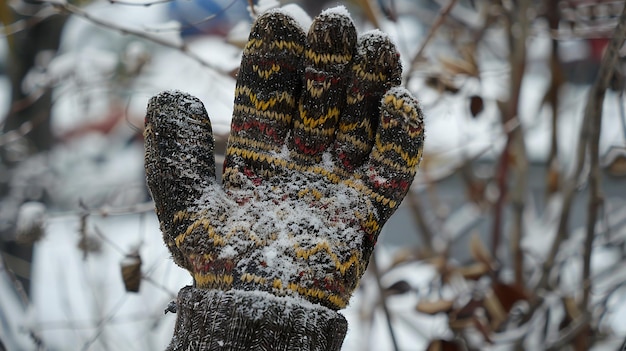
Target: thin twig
x,y
568,195
593,114
622,113
106,320
570,332
19,289
133,3
552,98
182,47
383,300
106,211
108,241
443,13
418,214
514,151
23,24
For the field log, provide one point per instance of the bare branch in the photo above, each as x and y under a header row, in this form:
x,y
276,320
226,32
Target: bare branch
x,y
514,152
182,47
418,214
443,13
24,24
571,332
593,116
383,300
596,94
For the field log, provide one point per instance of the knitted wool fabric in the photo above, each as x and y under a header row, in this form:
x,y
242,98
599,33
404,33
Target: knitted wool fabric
x,y
240,320
323,148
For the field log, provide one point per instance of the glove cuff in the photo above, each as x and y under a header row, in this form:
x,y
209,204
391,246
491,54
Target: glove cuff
x,y
236,320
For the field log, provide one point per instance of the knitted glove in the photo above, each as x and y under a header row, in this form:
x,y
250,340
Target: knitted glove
x,y
323,147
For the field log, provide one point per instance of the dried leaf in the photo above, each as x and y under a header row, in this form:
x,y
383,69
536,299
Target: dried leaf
x,y
509,294
31,222
131,271
476,105
434,307
468,310
617,165
494,308
552,182
460,324
481,325
444,345
479,251
439,263
369,11
399,287
473,271
403,256
89,244
466,65
442,84
571,307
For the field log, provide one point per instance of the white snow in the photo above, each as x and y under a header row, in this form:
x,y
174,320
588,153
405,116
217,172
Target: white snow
x,y
340,10
30,218
301,17
263,6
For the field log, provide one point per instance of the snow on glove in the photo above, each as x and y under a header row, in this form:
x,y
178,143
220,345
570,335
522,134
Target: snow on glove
x,y
323,147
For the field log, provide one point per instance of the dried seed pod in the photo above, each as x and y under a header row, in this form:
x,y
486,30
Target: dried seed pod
x,y
131,271
30,226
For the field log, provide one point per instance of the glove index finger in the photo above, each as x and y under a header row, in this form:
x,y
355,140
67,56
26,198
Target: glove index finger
x,y
268,88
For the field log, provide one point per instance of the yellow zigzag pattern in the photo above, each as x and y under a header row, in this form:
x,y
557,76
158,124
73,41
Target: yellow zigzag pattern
x,y
411,161
264,104
327,58
319,294
282,96
312,122
324,246
315,89
331,176
265,74
347,138
364,75
210,280
315,193
253,143
251,278
371,225
391,164
371,193
223,281
348,127
200,220
205,223
392,123
400,105
254,44
272,115
353,99
314,131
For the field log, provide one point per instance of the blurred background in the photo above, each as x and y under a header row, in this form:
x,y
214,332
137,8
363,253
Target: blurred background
x,y
513,236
